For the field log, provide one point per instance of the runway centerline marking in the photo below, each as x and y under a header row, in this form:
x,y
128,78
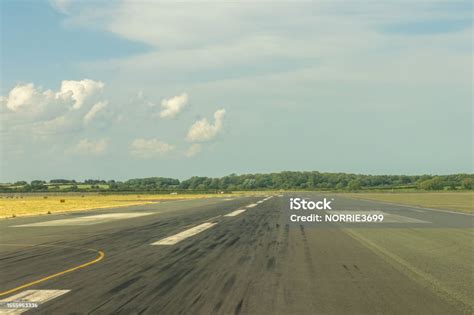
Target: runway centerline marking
x,y
88,220
251,205
30,296
174,239
234,213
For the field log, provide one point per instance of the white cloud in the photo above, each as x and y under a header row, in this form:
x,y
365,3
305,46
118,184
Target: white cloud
x,y
259,41
194,149
202,130
94,110
21,96
61,6
148,148
89,147
194,25
28,108
29,101
79,91
27,96
172,106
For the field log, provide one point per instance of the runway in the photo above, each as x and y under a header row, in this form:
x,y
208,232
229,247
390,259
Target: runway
x,y
237,256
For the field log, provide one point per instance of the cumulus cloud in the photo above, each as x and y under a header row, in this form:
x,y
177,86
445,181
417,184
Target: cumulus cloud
x,y
29,101
27,107
148,148
172,106
89,147
94,110
21,96
79,91
194,149
27,96
202,130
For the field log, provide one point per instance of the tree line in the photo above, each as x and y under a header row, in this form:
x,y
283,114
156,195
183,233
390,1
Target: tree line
x,y
273,181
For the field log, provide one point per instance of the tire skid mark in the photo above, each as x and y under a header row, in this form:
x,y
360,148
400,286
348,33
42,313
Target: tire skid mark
x,y
307,253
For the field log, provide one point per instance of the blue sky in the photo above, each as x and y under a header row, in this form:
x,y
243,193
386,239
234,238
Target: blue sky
x,y
116,90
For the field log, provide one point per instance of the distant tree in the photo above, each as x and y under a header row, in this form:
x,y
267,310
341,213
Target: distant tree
x,y
37,182
467,183
94,181
284,180
38,187
436,183
61,181
354,185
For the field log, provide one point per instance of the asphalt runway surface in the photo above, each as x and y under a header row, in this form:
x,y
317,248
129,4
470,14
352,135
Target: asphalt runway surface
x,y
226,256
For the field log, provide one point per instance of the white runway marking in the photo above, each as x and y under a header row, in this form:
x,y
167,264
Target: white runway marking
x,y
251,205
260,201
89,220
171,240
30,296
234,213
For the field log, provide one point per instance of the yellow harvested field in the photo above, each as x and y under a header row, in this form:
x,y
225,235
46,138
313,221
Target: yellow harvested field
x,y
22,205
456,201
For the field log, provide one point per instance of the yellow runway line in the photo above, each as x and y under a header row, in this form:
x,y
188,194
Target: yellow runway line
x,y
29,284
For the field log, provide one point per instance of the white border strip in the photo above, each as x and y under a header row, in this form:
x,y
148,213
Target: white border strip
x,y
88,220
30,296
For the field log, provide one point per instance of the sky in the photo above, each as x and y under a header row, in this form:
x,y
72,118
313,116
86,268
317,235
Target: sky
x,y
130,89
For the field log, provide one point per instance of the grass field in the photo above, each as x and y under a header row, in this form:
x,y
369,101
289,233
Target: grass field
x,y
457,201
13,206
